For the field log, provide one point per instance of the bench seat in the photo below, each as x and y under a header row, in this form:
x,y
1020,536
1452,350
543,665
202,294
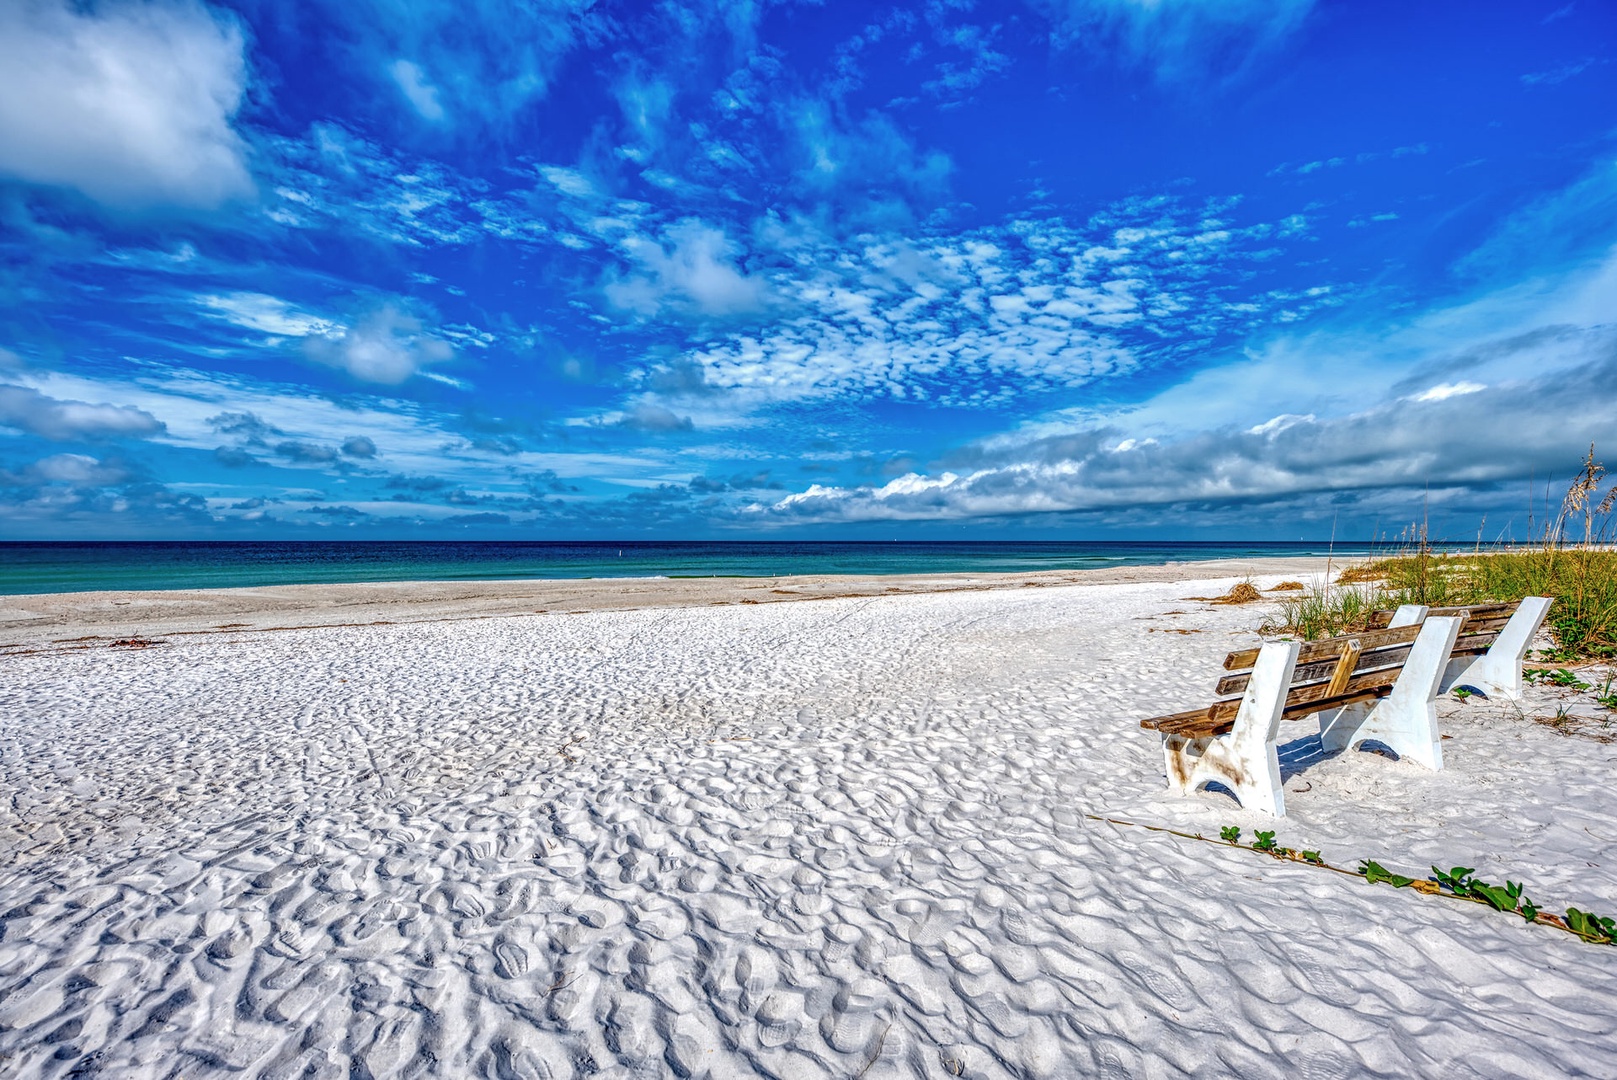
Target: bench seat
x,y
1381,684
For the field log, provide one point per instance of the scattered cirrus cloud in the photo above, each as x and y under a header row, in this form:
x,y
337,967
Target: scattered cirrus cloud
x,y
1179,39
1557,75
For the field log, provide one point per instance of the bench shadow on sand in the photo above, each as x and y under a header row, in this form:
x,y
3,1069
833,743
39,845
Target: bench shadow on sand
x,y
1303,753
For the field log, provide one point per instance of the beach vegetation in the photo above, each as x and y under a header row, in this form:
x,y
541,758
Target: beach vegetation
x,y
1606,697
1377,874
1457,883
1571,557
1323,611
1554,677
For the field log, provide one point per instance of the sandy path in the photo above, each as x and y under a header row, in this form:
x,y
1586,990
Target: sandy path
x,y
841,838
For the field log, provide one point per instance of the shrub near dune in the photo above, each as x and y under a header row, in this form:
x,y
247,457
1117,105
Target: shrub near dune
x,y
1580,575
1582,581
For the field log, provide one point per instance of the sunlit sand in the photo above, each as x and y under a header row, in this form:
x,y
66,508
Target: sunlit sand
x,y
852,836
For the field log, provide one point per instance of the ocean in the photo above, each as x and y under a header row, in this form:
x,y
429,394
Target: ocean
x,y
34,567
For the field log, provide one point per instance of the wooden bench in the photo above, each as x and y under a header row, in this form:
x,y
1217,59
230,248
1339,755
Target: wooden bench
x,y
1492,645
1381,684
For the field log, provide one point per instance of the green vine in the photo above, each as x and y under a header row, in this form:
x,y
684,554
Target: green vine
x,y
1455,884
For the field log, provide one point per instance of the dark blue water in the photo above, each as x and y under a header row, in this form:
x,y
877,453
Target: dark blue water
x,y
70,567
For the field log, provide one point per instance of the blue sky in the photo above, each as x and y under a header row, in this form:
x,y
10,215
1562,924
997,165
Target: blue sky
x,y
1048,269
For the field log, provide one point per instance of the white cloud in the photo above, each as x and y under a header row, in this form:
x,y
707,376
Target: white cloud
x,y
1178,37
28,410
388,345
480,60
76,469
1393,409
968,319
128,103
1443,391
1403,444
693,267
422,95
1281,423
268,314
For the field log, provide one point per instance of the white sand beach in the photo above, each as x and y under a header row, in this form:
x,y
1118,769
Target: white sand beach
x,y
846,837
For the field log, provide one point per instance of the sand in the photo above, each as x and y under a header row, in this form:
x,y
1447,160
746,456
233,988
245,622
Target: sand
x,y
847,837
39,620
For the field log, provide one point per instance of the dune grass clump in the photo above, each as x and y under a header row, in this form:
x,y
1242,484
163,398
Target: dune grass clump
x,y
1323,611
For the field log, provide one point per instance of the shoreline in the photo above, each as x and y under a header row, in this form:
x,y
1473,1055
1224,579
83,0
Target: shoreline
x,y
29,621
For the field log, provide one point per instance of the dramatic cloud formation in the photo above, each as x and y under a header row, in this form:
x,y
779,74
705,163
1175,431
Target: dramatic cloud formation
x,y
130,103
1011,267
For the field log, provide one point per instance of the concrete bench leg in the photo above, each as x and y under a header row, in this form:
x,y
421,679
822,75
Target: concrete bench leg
x,y
1244,760
1406,719
1336,727
1498,672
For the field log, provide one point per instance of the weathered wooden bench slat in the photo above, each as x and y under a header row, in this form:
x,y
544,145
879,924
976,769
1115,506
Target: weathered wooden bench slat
x,y
1379,619
1198,723
1468,645
1330,648
1370,640
1300,701
1474,644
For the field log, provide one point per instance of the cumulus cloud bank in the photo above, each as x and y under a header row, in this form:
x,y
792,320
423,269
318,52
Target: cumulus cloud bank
x,y
1440,440
130,104
29,410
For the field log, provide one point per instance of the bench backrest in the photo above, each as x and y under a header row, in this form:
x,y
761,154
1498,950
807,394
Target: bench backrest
x,y
1329,673
1480,629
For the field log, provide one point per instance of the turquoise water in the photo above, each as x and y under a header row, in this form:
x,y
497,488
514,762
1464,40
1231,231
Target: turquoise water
x,y
75,567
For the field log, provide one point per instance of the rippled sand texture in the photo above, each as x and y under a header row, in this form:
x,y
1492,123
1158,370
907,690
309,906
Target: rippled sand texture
x,y
843,837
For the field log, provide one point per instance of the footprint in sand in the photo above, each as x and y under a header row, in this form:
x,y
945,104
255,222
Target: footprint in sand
x,y
1165,987
629,1033
840,939
1327,1064
510,959
780,1018
757,974
852,1022
597,913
